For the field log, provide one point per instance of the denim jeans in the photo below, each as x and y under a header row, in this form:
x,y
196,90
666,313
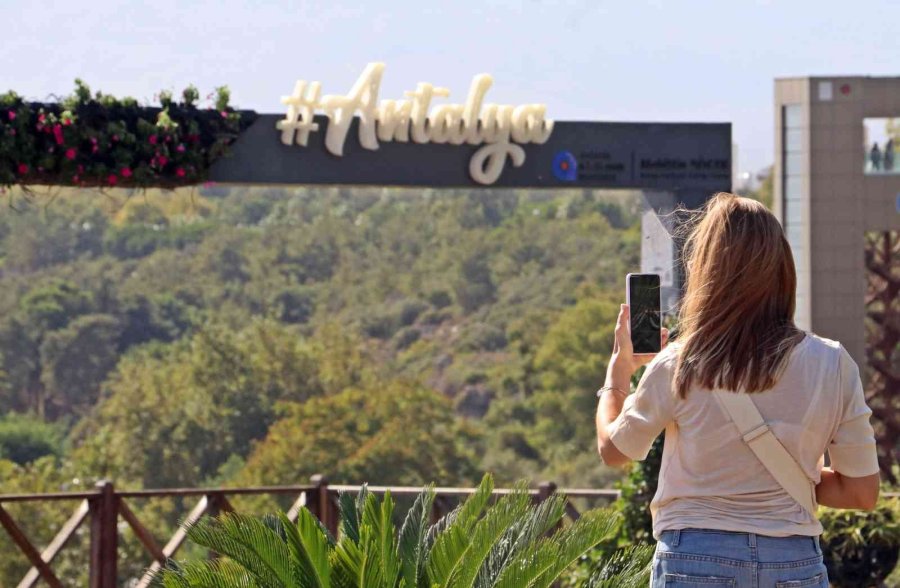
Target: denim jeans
x,y
701,558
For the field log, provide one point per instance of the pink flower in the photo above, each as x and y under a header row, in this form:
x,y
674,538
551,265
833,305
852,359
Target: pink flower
x,y
152,139
224,114
162,160
112,179
75,178
126,172
70,153
115,138
180,148
12,115
41,118
67,121
23,169
57,132
179,172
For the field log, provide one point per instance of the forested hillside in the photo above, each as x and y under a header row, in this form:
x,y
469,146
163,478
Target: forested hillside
x,y
258,336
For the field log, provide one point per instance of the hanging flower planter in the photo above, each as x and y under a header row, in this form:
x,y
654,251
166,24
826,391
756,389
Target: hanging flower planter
x,y
101,141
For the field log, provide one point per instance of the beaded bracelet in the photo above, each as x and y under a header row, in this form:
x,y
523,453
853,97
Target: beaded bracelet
x,y
613,388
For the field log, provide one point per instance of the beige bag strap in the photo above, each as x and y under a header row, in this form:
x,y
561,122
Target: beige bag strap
x,y
767,448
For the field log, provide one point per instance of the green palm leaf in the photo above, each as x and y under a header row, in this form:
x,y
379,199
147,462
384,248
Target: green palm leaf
x,y
310,548
452,541
541,566
222,573
250,543
347,565
486,533
573,541
387,542
626,568
350,508
412,547
520,537
357,566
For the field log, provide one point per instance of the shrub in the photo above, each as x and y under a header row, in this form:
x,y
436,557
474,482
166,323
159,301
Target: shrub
x,y
483,337
407,337
440,299
24,439
380,325
475,545
410,311
860,548
435,317
294,304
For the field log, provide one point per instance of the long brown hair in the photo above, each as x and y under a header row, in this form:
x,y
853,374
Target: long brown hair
x,y
736,323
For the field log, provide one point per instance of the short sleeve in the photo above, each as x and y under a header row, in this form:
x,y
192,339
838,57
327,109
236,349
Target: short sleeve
x,y
645,413
852,449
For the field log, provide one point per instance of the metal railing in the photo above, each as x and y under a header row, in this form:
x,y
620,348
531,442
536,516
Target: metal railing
x,y
107,507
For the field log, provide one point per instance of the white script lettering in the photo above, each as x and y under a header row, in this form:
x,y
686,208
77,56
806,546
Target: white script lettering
x,y
500,129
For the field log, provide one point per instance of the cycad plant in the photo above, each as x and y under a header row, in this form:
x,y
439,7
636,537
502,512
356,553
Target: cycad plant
x,y
476,545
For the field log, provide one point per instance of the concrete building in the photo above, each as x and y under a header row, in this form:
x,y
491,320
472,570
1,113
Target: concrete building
x,y
829,192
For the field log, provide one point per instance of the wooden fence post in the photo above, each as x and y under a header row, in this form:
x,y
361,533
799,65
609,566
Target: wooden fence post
x,y
104,536
545,489
322,504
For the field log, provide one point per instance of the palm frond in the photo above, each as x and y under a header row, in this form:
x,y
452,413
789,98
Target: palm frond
x,y
349,515
221,573
521,536
412,547
250,543
453,540
310,549
540,566
573,541
485,535
347,564
387,542
526,567
626,568
362,497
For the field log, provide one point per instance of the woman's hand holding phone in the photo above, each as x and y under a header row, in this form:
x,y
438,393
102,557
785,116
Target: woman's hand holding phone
x,y
624,361
622,365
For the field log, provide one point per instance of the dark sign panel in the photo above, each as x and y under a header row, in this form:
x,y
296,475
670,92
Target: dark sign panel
x,y
689,159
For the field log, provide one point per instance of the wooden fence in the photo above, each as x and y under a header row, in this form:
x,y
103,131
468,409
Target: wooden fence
x,y
107,507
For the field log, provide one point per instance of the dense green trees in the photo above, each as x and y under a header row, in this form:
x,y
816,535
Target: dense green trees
x,y
262,335
195,404
385,433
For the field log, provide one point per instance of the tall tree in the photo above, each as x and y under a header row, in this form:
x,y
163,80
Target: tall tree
x,y
883,343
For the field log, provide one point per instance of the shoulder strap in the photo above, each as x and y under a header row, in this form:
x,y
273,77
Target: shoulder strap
x,y
767,448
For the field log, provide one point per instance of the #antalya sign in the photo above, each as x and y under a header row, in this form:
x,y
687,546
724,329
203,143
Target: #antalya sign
x,y
499,129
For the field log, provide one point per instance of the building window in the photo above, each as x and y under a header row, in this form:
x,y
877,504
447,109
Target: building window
x,y
795,205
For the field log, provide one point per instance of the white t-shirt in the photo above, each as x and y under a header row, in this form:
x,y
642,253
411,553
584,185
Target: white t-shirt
x,y
710,479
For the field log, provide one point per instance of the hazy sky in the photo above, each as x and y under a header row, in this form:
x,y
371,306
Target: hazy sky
x,y
623,60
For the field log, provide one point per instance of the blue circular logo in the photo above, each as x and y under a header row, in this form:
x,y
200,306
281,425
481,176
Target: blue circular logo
x,y
565,167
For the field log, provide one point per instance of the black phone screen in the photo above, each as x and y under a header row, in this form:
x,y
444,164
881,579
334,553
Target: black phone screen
x,y
643,301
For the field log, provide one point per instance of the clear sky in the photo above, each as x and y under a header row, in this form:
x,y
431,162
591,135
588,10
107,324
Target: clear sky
x,y
622,60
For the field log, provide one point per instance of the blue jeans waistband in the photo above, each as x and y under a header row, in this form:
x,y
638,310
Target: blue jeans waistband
x,y
797,545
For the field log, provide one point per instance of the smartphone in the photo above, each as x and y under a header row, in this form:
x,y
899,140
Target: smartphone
x,y
642,293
